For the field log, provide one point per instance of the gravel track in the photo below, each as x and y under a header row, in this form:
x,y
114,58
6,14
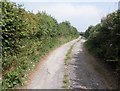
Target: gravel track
x,y
85,72
50,74
82,70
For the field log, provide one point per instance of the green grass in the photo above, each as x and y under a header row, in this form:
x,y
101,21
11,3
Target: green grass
x,y
67,58
66,81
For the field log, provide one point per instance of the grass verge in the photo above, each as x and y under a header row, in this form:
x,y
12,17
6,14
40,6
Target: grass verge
x,y
66,81
67,58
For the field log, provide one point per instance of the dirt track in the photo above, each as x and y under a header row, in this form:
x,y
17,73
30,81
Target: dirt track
x,y
83,70
50,74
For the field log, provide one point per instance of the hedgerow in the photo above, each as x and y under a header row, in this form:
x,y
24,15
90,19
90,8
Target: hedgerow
x,y
103,40
26,38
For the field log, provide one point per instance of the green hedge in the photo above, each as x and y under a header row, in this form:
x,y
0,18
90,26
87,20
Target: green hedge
x,y
27,37
104,38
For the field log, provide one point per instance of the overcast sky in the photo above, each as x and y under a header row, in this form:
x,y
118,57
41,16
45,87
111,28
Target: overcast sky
x,y
80,13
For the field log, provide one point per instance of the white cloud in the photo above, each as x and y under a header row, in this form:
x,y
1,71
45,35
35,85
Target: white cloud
x,y
80,16
68,10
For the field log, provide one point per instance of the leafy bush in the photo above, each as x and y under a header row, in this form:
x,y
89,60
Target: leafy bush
x,y
27,37
104,38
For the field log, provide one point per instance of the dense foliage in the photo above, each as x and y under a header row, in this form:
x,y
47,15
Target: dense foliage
x,y
104,38
26,37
